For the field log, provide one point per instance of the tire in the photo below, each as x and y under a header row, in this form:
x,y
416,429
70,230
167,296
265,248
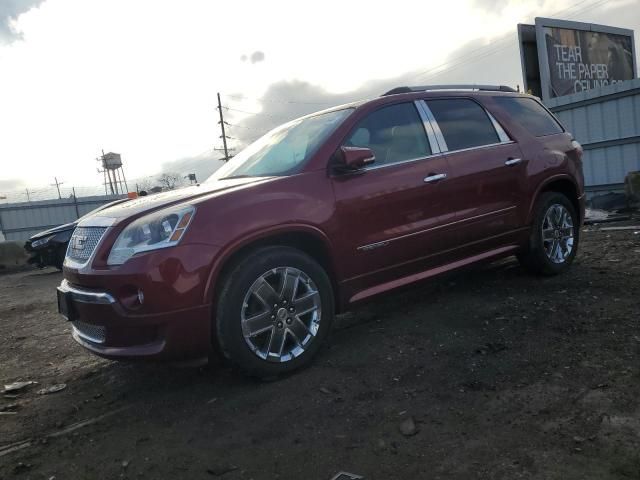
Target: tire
x,y
555,234
274,311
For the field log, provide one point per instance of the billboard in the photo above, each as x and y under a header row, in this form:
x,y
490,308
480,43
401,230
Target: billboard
x,y
561,57
580,60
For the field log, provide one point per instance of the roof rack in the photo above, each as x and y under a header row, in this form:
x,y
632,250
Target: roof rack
x,y
487,88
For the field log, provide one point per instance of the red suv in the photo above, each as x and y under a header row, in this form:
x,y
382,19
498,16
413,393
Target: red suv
x,y
321,213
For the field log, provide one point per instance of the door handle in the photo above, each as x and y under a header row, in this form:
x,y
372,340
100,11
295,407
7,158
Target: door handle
x,y
435,177
512,161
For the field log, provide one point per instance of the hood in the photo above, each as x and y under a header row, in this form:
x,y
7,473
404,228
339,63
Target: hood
x,y
116,213
51,231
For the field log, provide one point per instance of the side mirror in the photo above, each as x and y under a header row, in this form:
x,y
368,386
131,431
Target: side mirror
x,y
351,159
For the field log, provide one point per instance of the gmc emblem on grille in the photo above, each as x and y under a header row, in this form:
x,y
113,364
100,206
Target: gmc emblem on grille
x,y
78,242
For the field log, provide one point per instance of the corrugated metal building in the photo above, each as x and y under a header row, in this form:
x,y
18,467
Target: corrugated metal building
x,y
606,121
19,221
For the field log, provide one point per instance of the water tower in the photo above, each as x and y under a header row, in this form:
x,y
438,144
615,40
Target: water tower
x,y
113,173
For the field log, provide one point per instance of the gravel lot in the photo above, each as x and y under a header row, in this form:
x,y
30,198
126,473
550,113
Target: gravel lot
x,y
489,373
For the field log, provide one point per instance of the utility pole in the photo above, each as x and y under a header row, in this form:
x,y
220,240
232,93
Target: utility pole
x,y
57,185
75,202
28,197
223,136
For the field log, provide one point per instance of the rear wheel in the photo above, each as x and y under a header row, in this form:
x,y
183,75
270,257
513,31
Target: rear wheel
x,y
555,233
274,311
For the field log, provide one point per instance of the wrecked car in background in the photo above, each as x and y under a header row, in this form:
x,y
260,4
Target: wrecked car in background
x,y
48,248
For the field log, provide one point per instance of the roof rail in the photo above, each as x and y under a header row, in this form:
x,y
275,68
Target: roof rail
x,y
487,88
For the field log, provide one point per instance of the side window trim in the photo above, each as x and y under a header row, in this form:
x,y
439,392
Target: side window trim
x,y
442,144
502,135
428,124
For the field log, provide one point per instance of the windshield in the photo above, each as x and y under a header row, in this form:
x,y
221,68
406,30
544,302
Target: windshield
x,y
283,149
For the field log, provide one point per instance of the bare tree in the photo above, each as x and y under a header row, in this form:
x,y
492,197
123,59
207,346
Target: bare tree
x,y
145,184
170,180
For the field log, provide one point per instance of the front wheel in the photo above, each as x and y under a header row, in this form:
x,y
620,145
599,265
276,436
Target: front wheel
x,y
555,233
274,311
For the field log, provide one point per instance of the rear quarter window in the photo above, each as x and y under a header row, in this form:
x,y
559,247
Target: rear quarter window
x,y
531,115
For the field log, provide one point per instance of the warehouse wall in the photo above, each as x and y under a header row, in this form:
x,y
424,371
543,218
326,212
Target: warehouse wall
x,y
19,221
606,121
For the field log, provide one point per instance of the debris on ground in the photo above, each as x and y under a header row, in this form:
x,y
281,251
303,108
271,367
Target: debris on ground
x,y
52,389
408,427
491,347
346,476
84,423
615,229
220,470
14,447
594,216
18,386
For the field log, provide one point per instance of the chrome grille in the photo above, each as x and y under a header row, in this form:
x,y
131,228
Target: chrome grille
x,y
93,333
83,242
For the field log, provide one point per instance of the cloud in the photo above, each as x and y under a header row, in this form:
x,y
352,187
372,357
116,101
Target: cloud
x,y
497,6
203,165
12,190
10,10
255,57
493,6
286,100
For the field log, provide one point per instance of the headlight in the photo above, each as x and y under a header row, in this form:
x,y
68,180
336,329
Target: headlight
x,y
161,229
41,241
64,236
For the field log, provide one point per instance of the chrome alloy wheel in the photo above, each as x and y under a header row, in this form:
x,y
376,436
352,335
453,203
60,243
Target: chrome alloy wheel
x,y
281,314
557,233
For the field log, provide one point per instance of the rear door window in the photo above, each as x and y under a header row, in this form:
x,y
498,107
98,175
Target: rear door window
x,y
394,134
531,115
463,123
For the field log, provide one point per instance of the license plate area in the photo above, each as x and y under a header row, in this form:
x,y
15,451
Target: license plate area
x,y
66,307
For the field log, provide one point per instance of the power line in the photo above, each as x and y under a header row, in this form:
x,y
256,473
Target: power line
x,y
57,185
436,71
224,135
261,100
252,113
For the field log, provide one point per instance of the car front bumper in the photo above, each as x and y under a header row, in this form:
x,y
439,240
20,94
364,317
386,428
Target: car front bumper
x,y
102,325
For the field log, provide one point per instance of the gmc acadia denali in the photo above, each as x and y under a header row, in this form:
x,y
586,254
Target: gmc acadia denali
x,y
319,214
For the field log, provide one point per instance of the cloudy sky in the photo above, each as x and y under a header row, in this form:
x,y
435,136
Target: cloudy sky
x,y
140,77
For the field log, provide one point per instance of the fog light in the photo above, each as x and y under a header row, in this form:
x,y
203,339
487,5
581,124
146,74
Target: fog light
x,y
140,296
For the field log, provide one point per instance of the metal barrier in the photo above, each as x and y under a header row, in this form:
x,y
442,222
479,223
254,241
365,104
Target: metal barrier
x,y
606,121
19,221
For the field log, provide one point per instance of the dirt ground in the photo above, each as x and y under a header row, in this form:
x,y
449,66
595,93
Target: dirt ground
x,y
504,376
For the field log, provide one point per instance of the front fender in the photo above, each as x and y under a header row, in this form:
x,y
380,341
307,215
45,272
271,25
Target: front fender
x,y
259,238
